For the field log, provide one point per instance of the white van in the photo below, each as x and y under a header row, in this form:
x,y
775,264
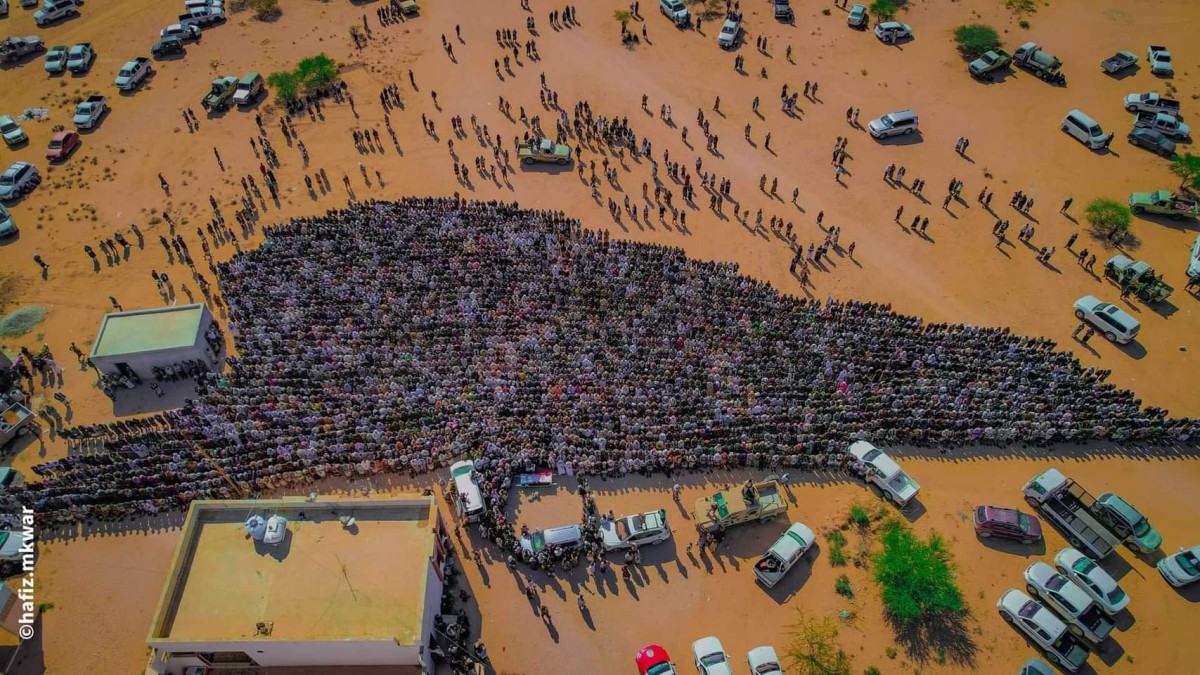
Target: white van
x,y
784,554
470,497
1084,129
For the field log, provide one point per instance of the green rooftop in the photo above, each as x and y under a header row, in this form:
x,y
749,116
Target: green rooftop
x,y
148,330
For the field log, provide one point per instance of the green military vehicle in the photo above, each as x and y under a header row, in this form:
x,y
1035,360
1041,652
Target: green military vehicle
x,y
751,502
1139,276
220,95
544,150
1163,202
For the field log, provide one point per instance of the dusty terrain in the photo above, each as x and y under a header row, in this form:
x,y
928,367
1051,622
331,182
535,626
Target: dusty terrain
x,y
957,274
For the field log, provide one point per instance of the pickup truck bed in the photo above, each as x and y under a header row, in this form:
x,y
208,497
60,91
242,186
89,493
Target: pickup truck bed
x,y
1079,526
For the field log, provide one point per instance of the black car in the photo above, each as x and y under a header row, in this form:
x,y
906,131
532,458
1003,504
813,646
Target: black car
x,y
1152,140
167,47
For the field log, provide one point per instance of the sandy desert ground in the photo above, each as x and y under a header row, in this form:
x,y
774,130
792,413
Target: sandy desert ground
x,y
956,274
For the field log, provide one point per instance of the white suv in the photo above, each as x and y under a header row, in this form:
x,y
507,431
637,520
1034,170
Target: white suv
x,y
675,11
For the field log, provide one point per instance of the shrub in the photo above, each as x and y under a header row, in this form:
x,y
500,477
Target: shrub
x,y
265,10
871,670
884,10
21,321
826,11
916,577
843,587
891,652
285,84
837,542
974,39
1108,215
1021,5
859,516
812,648
1187,168
316,71
1023,24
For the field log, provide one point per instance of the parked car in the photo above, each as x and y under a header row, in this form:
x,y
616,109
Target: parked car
x,y
180,31
89,112
3,7
710,657
1151,102
1113,322
80,58
1092,579
995,521
1181,569
166,47
62,144
1160,61
1118,62
18,179
53,10
728,37
675,11
883,471
248,89
1165,122
783,555
1154,141
857,18
1193,268
56,59
12,132
893,124
7,226
1036,667
892,31
1084,129
653,660
1126,521
133,73
642,529
202,16
764,661
1044,628
192,4
989,62
1082,614
565,537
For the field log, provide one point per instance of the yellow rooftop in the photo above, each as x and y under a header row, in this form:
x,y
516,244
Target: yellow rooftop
x,y
324,581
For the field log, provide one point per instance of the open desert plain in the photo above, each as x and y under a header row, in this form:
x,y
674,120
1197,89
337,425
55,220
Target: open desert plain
x,y
433,103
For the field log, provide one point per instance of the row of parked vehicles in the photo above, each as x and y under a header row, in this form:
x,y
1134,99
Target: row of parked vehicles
x,y
710,658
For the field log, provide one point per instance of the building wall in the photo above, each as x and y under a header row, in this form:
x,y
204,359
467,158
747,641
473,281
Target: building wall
x,y
277,653
143,363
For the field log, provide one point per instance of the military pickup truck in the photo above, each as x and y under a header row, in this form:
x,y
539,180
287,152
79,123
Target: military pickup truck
x,y
1139,276
1160,61
1164,203
991,61
1040,62
220,94
14,49
1118,62
88,113
1151,102
544,150
751,502
1164,123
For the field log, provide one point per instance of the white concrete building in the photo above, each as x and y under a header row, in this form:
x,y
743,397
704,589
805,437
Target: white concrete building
x,y
352,588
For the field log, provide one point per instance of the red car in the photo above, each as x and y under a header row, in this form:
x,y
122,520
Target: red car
x,y
653,660
994,521
62,144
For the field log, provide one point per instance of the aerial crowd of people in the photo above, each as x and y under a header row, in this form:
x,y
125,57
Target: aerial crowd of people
x,y
398,336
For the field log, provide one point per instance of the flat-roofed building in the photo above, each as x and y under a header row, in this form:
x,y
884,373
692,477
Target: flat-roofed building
x,y
353,588
141,339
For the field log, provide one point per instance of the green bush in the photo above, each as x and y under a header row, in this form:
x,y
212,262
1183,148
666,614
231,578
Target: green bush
x,y
1108,215
316,71
813,649
974,39
884,10
285,84
837,544
21,321
859,516
916,577
265,10
871,670
1186,167
843,587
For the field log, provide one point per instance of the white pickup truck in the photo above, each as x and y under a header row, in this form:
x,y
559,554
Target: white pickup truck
x,y
784,554
883,471
1164,123
133,73
53,10
88,113
1151,102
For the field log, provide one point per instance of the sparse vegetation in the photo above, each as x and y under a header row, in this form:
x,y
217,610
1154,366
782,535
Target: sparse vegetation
x,y
871,670
884,10
1108,216
826,11
916,577
973,39
859,516
843,587
310,74
1023,24
22,320
837,545
813,649
1187,168
1021,6
891,652
266,10
8,287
